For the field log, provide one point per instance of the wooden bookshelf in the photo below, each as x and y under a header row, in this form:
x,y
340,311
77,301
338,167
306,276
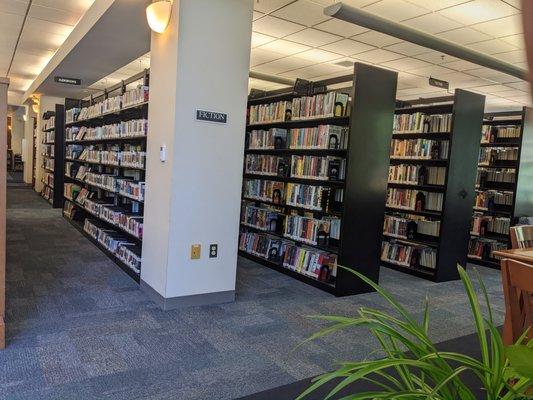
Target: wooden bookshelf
x,y
77,211
367,122
486,240
53,147
435,256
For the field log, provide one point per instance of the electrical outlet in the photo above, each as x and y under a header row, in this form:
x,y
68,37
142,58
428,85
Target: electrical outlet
x,y
195,251
213,250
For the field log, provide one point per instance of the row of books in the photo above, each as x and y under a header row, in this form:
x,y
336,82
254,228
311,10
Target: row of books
x,y
48,163
321,137
488,198
261,164
319,168
419,122
131,157
489,156
48,179
49,137
47,193
324,105
139,94
262,218
489,133
314,263
124,129
415,200
502,175
116,243
423,149
264,190
408,256
49,123
483,224
124,186
121,217
417,174
483,249
71,191
48,150
311,230
308,196
408,228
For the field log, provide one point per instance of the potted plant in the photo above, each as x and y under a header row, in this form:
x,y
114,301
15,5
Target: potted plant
x,y
413,368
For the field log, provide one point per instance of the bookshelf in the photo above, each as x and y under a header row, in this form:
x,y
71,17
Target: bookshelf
x,y
430,191
497,207
314,176
52,152
105,152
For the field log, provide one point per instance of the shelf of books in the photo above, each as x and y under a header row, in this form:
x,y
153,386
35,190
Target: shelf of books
x,y
433,158
303,170
105,170
497,173
52,155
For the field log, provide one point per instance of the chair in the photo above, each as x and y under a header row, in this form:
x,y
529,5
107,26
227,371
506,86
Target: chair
x,y
521,236
517,279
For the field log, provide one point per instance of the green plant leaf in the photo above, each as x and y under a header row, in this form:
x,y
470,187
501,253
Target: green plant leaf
x,y
521,359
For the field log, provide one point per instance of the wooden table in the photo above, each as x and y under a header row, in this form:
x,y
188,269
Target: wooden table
x,y
522,255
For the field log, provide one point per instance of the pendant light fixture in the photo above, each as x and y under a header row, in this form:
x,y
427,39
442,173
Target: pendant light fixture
x,y
158,15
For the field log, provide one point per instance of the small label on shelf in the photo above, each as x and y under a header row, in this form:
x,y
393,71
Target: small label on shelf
x,y
211,116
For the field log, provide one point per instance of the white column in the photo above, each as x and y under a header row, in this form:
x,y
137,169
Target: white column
x,y
4,84
201,62
28,144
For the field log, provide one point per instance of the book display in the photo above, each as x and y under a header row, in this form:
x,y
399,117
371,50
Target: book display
x,y
428,202
104,170
306,187
496,186
52,145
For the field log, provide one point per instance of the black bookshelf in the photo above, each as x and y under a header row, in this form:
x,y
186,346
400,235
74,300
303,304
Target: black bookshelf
x,y
368,128
485,240
449,245
52,190
98,193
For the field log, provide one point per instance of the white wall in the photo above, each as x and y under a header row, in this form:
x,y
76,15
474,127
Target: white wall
x,y
17,132
28,136
195,196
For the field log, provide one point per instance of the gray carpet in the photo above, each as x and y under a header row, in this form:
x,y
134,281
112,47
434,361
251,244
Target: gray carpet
x,y
79,328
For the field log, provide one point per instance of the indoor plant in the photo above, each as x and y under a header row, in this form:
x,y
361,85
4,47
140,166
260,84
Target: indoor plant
x,y
414,369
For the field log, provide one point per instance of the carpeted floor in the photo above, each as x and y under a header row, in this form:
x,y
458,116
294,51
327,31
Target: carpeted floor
x,y
78,327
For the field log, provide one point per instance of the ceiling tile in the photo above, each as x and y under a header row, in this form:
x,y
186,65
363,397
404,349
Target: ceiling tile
x,y
18,7
408,49
506,26
515,40
432,23
283,64
285,47
10,22
45,27
435,57
275,27
522,85
75,6
435,5
492,46
460,65
259,39
464,36
378,56
339,27
478,11
395,10
302,12
512,56
490,74
318,56
54,15
436,71
347,47
34,38
28,64
511,93
405,64
266,6
313,71
492,89
256,15
313,37
260,56
377,39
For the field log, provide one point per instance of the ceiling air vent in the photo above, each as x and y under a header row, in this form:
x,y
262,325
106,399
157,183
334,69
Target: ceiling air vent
x,y
345,63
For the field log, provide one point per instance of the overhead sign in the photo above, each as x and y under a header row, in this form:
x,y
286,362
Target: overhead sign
x,y
211,116
68,81
438,83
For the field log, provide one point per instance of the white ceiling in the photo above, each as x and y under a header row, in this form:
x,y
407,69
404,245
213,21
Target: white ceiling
x,y
48,24
293,38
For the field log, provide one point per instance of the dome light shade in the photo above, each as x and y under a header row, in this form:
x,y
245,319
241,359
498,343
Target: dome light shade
x,y
158,15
